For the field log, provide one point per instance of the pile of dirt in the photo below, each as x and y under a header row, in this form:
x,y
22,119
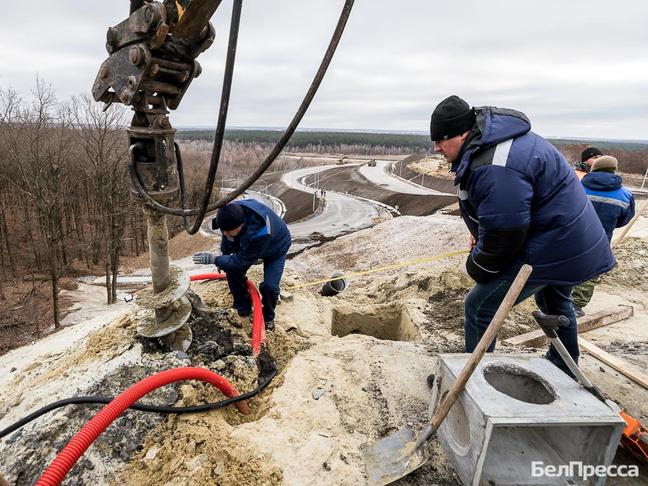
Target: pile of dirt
x,y
632,271
198,449
437,175
35,445
434,166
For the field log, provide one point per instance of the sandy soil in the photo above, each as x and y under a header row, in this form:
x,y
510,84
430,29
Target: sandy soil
x,y
352,370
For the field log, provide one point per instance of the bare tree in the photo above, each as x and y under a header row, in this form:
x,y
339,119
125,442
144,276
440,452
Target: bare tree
x,y
103,163
39,140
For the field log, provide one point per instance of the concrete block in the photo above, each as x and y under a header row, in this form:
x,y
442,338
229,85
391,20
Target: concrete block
x,y
519,410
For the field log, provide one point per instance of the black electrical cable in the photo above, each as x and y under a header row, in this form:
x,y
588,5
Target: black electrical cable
x,y
328,56
183,192
138,406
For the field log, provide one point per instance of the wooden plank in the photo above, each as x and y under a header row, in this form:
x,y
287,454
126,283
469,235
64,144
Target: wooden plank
x,y
617,363
535,339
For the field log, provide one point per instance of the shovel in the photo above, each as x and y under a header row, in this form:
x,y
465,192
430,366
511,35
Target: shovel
x,y
635,435
549,325
401,453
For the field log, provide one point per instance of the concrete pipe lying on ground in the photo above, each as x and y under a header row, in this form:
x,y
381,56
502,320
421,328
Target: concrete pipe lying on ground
x,y
334,287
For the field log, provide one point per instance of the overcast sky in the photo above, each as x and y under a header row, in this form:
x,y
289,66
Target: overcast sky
x,y
575,67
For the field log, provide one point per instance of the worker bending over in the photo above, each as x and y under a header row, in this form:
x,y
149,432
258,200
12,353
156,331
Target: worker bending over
x,y
615,207
522,204
251,231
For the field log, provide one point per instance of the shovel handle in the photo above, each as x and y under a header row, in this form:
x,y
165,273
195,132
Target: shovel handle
x,y
491,332
627,227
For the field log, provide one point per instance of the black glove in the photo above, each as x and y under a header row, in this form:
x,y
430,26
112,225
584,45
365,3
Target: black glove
x,y
204,258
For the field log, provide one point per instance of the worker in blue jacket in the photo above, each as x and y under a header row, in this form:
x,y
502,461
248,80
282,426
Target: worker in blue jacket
x,y
522,203
615,207
251,231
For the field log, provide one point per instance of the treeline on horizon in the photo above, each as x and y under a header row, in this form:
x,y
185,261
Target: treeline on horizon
x,y
633,156
302,139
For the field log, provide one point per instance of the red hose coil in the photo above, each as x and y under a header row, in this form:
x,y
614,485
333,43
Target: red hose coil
x,y
71,453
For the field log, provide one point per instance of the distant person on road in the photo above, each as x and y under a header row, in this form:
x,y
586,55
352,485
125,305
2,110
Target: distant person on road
x,y
615,207
588,156
251,231
522,203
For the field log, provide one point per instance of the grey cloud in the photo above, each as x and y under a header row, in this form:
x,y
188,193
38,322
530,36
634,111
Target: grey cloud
x,y
578,68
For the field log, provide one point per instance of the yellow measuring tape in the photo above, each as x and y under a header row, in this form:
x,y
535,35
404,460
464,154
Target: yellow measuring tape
x,y
382,269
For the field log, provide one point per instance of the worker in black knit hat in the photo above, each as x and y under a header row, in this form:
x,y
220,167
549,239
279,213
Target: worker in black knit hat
x,y
251,232
588,156
522,204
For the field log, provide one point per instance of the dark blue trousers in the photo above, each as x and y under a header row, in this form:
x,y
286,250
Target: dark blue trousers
x,y
482,302
269,288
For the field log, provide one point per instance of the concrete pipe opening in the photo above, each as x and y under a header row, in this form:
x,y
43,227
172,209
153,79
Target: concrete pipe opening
x,y
334,287
518,383
389,322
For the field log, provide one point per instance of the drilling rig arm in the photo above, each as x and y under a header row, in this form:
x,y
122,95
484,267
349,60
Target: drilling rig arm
x,y
195,18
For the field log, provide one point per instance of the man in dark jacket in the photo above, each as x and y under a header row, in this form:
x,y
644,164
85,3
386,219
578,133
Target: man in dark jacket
x,y
522,203
615,207
251,231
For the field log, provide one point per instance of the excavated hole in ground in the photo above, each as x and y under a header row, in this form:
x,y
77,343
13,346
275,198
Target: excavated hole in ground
x,y
388,322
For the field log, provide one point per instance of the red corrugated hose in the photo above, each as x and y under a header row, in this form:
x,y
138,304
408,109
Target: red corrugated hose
x,y
71,453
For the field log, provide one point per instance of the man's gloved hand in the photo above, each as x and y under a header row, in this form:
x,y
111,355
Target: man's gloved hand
x,y
204,258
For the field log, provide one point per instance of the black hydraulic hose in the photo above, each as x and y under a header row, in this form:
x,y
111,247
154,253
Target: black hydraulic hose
x,y
328,56
138,406
183,192
344,16
136,5
222,115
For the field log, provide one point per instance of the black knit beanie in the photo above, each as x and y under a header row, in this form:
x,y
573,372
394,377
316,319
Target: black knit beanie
x,y
590,152
452,117
229,217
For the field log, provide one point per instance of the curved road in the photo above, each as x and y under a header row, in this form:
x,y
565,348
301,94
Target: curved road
x,y
341,214
381,176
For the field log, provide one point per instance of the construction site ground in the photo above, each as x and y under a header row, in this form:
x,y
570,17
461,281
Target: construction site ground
x,y
352,369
